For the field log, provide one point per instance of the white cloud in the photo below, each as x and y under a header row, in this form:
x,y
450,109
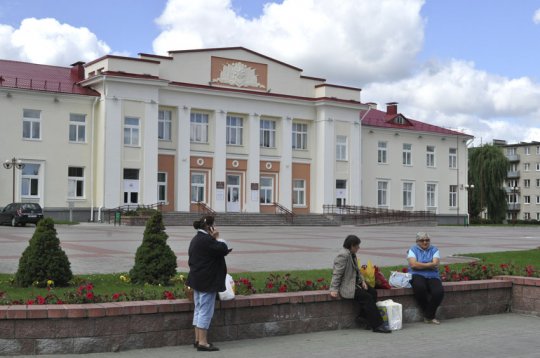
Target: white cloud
x,y
459,96
348,41
536,17
48,41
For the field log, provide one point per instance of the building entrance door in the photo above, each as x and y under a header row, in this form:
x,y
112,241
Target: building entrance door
x,y
233,193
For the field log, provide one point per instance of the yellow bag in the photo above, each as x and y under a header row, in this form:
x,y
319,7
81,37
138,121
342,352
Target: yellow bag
x,y
368,272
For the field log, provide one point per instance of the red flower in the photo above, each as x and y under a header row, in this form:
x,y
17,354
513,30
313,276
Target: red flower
x,y
116,296
320,279
89,287
504,266
446,268
283,288
405,270
484,268
40,300
59,302
30,302
168,295
309,283
90,295
270,285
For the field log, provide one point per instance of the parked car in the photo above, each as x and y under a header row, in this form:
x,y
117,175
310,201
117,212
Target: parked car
x,y
21,214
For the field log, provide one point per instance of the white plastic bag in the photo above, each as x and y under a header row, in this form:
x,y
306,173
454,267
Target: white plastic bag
x,y
391,314
228,294
400,279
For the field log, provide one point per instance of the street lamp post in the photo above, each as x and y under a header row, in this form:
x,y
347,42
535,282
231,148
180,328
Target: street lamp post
x,y
514,212
469,188
13,164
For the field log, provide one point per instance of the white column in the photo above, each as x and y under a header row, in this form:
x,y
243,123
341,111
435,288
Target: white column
x,y
112,168
253,164
355,159
324,161
183,179
220,161
285,170
150,154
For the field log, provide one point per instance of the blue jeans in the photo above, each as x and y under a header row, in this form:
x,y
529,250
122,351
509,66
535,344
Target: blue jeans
x,y
204,308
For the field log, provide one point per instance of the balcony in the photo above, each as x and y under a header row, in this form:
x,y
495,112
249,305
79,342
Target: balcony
x,y
511,190
513,206
513,174
513,157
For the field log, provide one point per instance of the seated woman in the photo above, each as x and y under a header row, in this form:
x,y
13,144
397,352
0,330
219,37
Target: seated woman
x,y
427,286
349,283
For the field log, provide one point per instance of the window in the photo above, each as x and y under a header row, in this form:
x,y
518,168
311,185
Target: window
x,y
538,216
537,167
407,194
299,192
527,183
131,131
30,181
234,130
527,167
430,156
75,182
431,195
538,199
511,151
197,187
452,158
538,183
268,133
538,149
341,147
407,154
341,192
527,216
31,124
526,199
382,193
527,151
453,196
77,128
164,125
381,152
162,187
199,128
299,136
266,191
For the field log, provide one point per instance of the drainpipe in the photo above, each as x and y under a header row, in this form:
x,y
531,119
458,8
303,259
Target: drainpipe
x,y
92,160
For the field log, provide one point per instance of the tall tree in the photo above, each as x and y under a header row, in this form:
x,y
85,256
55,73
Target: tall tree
x,y
488,169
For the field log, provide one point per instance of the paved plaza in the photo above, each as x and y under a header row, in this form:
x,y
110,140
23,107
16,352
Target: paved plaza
x,y
104,248
497,336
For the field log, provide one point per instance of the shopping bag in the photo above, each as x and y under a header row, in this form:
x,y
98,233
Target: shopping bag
x,y
400,279
228,294
391,314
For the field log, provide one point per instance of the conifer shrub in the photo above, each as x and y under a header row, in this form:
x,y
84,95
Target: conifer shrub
x,y
155,262
44,259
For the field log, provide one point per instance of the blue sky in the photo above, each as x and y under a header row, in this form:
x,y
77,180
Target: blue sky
x,y
461,64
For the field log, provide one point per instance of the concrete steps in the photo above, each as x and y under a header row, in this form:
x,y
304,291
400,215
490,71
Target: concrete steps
x,y
248,219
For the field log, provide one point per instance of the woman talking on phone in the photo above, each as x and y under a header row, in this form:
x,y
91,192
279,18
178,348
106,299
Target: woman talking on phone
x,y
207,271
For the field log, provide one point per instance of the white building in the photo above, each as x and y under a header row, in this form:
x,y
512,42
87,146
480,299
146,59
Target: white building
x,y
228,127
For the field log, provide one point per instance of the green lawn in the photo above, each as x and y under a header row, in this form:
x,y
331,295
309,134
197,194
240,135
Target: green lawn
x,y
106,285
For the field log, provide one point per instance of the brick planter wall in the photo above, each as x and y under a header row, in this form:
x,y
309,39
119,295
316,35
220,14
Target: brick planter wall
x,y
109,327
525,294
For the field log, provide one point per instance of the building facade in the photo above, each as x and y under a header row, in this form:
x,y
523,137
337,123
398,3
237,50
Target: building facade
x,y
410,165
227,127
522,185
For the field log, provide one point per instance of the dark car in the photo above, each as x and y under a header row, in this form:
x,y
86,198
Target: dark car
x,y
21,214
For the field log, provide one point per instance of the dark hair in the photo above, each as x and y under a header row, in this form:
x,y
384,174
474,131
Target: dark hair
x,y
204,223
350,241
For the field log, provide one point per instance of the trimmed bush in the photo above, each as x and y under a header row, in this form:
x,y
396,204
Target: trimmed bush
x,y
155,262
44,259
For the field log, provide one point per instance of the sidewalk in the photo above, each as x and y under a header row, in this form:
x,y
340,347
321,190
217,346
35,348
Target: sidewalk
x,y
504,335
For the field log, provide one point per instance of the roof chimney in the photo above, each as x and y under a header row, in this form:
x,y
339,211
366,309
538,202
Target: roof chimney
x,y
372,105
391,108
77,71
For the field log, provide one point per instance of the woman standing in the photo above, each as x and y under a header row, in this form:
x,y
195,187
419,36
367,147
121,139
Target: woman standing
x,y
207,271
349,283
427,286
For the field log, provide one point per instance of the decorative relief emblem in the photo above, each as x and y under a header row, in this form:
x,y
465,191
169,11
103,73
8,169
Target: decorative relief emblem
x,y
238,74
235,163
200,161
268,165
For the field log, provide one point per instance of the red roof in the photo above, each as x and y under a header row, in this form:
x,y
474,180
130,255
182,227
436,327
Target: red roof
x,y
376,118
30,76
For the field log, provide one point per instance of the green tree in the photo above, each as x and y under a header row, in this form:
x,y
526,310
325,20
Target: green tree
x,y
44,259
155,262
488,169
